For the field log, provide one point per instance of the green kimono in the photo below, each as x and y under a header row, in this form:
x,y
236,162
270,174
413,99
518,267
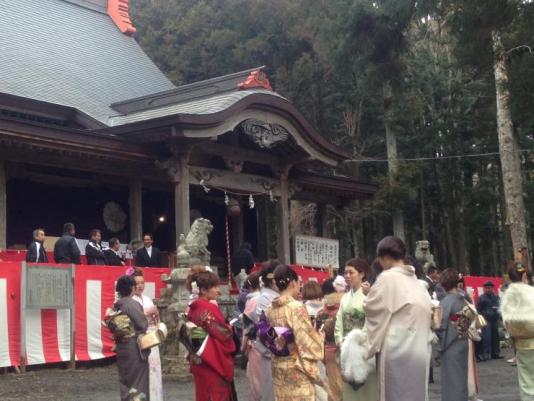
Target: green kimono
x,y
351,316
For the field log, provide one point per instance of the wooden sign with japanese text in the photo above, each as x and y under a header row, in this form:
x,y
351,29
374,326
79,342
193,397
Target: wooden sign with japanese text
x,y
316,251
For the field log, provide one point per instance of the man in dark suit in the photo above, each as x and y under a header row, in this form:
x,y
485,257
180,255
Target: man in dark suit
x,y
112,255
66,249
148,256
36,251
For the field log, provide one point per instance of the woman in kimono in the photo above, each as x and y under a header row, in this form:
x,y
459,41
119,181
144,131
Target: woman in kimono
x,y
517,310
351,316
212,365
326,318
295,375
152,314
248,342
131,362
398,313
453,344
260,361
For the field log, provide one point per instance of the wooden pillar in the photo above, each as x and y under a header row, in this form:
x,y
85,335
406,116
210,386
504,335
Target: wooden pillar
x,y
322,214
283,220
136,209
3,206
181,198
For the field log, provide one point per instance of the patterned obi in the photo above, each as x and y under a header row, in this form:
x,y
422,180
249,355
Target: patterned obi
x,y
275,339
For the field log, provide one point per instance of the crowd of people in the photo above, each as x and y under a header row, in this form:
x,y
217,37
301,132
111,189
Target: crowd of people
x,y
367,334
67,250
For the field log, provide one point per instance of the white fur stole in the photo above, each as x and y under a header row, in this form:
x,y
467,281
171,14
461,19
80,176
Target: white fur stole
x,y
518,303
355,367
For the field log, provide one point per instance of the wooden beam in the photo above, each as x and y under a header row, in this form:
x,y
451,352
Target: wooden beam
x,y
136,209
230,181
235,153
3,206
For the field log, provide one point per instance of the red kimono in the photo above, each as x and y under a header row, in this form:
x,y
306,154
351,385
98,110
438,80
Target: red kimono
x,y
215,374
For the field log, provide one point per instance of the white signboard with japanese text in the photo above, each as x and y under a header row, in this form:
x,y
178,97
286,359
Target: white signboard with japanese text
x,y
316,251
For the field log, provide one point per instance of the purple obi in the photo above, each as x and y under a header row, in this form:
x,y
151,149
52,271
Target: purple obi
x,y
275,339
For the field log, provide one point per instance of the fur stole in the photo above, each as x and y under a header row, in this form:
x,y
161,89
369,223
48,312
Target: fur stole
x,y
518,303
355,367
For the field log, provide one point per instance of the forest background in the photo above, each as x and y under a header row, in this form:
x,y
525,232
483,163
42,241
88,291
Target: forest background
x,y
415,77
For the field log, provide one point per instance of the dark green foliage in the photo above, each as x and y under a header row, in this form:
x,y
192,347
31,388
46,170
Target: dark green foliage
x,y
332,58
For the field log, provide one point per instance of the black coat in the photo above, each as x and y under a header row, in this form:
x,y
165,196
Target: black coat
x,y
242,259
143,260
488,306
66,250
31,255
112,259
95,254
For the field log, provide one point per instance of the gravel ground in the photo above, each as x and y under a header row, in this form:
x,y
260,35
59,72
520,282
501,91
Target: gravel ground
x,y
498,383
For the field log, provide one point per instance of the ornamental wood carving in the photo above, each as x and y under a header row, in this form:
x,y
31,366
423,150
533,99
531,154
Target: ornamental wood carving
x,y
263,134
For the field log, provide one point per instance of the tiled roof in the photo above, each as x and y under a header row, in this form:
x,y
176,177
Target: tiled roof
x,y
208,105
68,54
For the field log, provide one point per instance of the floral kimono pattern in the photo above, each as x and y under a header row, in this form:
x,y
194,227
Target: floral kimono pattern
x,y
294,376
217,365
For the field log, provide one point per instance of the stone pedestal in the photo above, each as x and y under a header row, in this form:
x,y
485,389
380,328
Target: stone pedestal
x,y
171,306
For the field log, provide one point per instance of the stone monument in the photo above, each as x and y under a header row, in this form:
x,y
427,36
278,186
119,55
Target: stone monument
x,y
192,250
423,254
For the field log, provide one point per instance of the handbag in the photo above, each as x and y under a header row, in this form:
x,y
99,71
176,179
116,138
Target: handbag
x,y
152,339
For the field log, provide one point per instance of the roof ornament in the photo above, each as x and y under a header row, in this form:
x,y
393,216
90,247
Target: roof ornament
x,y
118,11
263,134
256,79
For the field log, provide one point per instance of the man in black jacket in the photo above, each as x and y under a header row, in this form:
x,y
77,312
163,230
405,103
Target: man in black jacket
x,y
94,251
242,263
113,257
148,256
66,249
36,251
488,306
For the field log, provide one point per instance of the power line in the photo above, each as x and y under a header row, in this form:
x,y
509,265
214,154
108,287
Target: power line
x,y
437,158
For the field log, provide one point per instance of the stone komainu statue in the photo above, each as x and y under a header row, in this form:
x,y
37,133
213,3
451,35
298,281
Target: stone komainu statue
x,y
423,255
193,248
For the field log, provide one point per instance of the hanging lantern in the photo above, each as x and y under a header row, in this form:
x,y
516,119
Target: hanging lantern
x,y
232,207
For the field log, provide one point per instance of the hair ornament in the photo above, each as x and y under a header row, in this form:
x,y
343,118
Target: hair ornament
x,y
194,288
130,271
270,276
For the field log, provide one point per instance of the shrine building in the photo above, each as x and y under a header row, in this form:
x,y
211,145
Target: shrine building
x,y
92,132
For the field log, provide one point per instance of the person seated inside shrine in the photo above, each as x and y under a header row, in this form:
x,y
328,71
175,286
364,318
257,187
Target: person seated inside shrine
x,y
149,255
36,251
66,249
112,254
94,251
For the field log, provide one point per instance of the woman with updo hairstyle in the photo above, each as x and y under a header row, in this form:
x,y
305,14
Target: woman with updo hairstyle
x,y
131,362
295,375
517,308
351,316
152,315
454,344
212,341
259,368
398,313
